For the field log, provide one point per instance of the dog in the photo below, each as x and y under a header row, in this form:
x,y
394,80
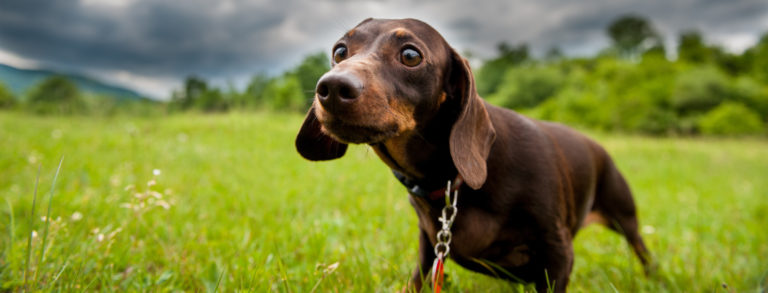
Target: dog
x,y
525,186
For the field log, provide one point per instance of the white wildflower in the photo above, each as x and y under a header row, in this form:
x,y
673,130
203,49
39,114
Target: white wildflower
x,y
113,233
114,180
76,216
332,267
182,137
163,204
156,194
156,172
56,134
648,229
33,157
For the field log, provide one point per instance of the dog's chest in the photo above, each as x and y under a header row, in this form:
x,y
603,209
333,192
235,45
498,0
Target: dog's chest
x,y
473,230
477,236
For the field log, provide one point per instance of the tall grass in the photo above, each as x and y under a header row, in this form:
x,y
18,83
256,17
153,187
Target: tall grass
x,y
221,203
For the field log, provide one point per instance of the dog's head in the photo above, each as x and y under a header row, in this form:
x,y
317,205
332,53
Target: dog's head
x,y
390,78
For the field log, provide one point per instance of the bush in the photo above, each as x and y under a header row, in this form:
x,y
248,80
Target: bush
x,y
489,77
639,113
526,87
211,100
56,95
731,118
573,107
7,100
699,90
253,96
753,95
285,94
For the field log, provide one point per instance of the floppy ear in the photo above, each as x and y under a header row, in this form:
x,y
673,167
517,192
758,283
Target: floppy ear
x,y
472,134
313,144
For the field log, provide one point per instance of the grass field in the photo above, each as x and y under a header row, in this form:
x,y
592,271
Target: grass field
x,y
224,203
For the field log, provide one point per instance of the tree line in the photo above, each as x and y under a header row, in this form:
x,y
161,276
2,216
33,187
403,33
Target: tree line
x,y
59,95
631,86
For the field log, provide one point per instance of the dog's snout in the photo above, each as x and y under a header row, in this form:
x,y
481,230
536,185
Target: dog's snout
x,y
335,87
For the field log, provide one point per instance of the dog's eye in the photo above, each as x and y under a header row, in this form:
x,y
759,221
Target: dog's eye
x,y
410,57
340,54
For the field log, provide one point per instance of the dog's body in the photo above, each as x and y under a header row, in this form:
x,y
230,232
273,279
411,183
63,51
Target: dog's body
x,y
529,185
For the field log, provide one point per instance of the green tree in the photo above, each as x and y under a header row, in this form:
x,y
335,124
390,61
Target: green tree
x,y
254,93
211,100
632,35
730,63
310,70
7,100
194,88
276,92
693,49
490,76
748,91
757,59
527,86
554,54
197,94
284,94
55,95
699,89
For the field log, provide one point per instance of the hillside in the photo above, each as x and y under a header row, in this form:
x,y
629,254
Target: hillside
x,y
20,80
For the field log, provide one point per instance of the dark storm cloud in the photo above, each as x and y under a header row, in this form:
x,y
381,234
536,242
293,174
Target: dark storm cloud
x,y
231,39
579,26
147,38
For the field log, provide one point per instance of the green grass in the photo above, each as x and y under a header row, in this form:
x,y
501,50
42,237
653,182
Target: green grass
x,y
235,207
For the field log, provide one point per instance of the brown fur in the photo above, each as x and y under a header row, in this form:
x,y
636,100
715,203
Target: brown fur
x,y
529,185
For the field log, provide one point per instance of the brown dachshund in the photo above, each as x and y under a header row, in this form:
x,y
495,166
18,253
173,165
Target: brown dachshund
x,y
529,185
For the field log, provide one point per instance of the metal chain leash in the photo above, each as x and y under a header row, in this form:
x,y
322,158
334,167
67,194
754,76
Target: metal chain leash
x,y
444,236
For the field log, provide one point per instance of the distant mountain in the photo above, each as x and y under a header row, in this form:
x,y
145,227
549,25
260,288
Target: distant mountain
x,y
21,80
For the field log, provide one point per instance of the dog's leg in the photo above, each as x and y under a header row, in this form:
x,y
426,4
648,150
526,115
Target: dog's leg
x,y
614,203
426,257
557,261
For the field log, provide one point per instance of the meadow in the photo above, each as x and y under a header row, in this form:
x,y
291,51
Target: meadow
x,y
196,202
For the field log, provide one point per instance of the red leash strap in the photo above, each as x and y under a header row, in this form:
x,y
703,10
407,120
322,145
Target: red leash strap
x,y
437,274
440,193
443,246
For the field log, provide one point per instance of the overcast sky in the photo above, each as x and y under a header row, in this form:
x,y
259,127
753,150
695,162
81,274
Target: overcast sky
x,y
151,45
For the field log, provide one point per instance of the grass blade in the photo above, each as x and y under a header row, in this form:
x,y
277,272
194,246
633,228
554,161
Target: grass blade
x,y
31,225
218,282
48,217
11,230
59,274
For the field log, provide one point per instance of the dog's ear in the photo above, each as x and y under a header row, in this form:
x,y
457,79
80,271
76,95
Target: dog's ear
x,y
313,144
472,134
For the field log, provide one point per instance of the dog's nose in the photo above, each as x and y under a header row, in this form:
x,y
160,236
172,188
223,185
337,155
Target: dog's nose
x,y
338,87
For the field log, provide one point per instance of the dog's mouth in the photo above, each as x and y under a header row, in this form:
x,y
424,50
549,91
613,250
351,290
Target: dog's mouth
x,y
347,132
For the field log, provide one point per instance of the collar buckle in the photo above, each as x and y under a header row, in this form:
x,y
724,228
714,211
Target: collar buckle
x,y
416,189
